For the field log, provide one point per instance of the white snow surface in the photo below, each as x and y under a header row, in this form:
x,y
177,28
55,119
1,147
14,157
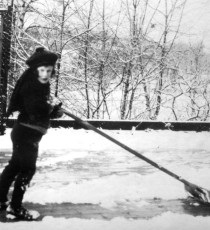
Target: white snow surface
x,y
167,221
79,166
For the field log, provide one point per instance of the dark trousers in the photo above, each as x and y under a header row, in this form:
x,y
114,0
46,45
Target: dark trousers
x,y
22,165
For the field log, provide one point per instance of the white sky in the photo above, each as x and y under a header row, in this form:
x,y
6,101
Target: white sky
x,y
196,21
195,26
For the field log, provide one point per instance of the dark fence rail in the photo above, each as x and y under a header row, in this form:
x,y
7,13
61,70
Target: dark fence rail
x,y
129,125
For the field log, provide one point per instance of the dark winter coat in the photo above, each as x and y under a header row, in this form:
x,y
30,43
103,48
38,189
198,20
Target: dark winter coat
x,y
31,99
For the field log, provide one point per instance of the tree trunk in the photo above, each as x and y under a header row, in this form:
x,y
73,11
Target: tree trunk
x,y
86,60
124,103
61,47
162,66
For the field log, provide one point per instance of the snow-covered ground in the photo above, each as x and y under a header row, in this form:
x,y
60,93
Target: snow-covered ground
x,y
80,167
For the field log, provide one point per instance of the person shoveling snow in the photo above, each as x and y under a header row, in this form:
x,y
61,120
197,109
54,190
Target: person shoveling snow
x,y
31,98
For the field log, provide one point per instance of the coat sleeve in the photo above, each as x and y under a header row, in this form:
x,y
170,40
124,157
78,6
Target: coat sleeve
x,y
35,102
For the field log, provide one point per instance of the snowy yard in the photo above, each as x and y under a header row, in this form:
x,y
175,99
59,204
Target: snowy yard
x,y
83,181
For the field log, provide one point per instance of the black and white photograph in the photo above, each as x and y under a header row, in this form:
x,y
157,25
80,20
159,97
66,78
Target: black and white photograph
x,y
105,114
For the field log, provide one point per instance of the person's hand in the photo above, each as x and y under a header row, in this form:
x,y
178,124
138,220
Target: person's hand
x,y
55,101
57,111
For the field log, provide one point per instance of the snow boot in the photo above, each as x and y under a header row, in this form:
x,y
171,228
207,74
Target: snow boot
x,y
21,214
4,205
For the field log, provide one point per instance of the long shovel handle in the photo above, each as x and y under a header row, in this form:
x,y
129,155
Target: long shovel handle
x,y
91,127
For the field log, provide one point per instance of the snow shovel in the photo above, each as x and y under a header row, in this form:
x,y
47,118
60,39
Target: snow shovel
x,y
198,194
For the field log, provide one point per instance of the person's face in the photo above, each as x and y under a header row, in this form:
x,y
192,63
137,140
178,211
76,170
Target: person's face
x,y
44,73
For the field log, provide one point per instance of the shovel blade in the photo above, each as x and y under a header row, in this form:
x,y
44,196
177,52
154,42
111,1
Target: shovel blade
x,y
200,194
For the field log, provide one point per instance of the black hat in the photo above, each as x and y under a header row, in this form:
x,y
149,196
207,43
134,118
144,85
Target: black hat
x,y
42,57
